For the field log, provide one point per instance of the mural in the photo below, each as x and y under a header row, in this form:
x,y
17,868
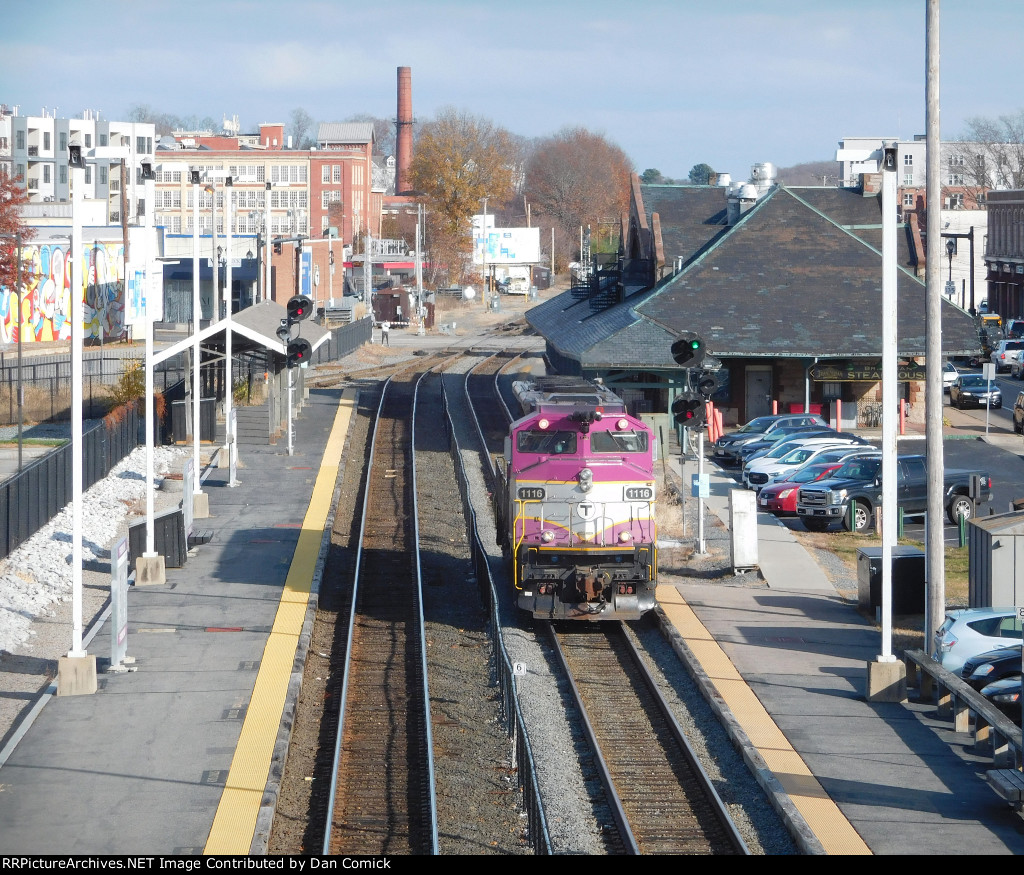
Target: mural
x,y
46,302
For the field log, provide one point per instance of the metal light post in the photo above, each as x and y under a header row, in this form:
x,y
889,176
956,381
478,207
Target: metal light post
x,y
483,252
199,508
229,423
266,240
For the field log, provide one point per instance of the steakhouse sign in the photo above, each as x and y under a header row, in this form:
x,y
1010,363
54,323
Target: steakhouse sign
x,y
864,373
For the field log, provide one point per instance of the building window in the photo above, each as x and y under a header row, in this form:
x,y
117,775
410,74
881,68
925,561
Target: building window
x,y
19,140
88,141
140,144
325,223
103,139
337,174
46,141
908,200
956,179
956,160
63,142
64,174
46,173
103,174
908,160
908,179
325,173
88,174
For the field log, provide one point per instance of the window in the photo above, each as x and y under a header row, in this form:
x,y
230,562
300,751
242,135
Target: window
x,y
908,200
46,173
956,179
88,174
103,174
618,441
63,142
956,160
908,179
908,160
337,174
550,442
64,174
103,139
88,141
19,140
140,144
325,223
46,141
325,174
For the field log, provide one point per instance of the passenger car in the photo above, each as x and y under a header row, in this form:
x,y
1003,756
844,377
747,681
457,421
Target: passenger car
x,y
970,631
949,374
991,665
1005,694
726,449
1006,353
780,498
761,472
1014,328
1018,413
973,390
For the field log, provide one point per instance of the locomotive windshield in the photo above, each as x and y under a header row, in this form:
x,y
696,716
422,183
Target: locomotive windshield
x,y
549,442
618,441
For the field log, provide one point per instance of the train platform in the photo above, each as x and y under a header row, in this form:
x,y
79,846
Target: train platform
x,y
172,757
787,656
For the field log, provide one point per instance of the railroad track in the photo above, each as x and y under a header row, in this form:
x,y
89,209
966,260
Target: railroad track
x,y
663,801
382,786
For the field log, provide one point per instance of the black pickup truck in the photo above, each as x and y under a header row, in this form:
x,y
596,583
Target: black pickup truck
x,y
855,490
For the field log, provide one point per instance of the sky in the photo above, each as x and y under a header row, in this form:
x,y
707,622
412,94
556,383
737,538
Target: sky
x,y
729,83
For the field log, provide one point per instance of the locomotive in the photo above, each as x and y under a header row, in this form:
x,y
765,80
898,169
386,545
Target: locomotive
x,y
574,503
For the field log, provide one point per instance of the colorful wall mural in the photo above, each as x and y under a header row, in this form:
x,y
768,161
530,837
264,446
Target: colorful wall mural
x,y
46,303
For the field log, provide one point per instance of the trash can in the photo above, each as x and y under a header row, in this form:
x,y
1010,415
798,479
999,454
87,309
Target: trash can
x,y
908,584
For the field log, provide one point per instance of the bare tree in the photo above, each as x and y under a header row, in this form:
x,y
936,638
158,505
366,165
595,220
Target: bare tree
x,y
383,132
301,129
577,178
989,154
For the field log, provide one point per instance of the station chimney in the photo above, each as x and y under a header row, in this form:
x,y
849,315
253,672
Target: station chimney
x,y
403,160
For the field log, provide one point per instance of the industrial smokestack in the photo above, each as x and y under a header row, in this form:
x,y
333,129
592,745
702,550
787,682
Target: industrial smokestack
x,y
403,160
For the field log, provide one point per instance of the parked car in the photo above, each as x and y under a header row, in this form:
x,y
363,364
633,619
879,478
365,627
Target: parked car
x,y
949,374
771,443
779,498
1018,413
1005,694
760,472
970,631
973,390
1006,353
991,665
1014,329
726,450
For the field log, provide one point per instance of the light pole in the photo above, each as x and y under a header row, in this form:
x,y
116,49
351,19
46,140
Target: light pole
x,y
483,252
200,508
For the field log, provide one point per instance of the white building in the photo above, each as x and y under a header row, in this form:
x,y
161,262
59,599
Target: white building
x,y
35,149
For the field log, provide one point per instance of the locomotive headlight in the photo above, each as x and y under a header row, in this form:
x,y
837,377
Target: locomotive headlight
x,y
586,479
625,537
547,536
622,424
543,423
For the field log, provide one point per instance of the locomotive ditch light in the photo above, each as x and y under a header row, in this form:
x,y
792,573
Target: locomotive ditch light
x,y
625,537
586,479
547,536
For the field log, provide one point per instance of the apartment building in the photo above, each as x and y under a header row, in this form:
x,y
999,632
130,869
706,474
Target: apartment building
x,y
35,150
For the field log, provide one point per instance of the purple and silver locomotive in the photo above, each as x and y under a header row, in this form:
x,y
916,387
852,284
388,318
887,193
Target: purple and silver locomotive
x,y
575,503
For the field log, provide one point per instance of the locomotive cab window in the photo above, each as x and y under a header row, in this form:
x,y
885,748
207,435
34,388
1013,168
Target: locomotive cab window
x,y
618,441
549,442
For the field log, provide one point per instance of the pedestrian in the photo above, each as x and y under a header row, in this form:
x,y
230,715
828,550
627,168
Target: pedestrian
x,y
384,328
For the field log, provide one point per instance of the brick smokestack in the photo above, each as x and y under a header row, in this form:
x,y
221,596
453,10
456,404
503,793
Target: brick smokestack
x,y
403,160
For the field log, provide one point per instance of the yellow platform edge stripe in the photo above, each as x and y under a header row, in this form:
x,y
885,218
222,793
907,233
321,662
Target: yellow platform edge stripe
x,y
234,823
823,816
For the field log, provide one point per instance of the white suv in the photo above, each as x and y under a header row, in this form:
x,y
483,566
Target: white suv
x,y
1006,353
971,631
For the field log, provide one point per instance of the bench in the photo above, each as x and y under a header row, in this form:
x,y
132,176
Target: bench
x,y
993,732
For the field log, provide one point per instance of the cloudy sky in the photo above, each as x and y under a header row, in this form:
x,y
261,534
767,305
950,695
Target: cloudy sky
x,y
730,83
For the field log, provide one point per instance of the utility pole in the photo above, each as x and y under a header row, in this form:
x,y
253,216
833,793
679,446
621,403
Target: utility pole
x,y
934,537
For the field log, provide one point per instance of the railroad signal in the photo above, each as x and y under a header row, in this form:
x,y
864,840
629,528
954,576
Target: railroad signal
x,y
299,351
299,307
688,409
688,350
708,382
